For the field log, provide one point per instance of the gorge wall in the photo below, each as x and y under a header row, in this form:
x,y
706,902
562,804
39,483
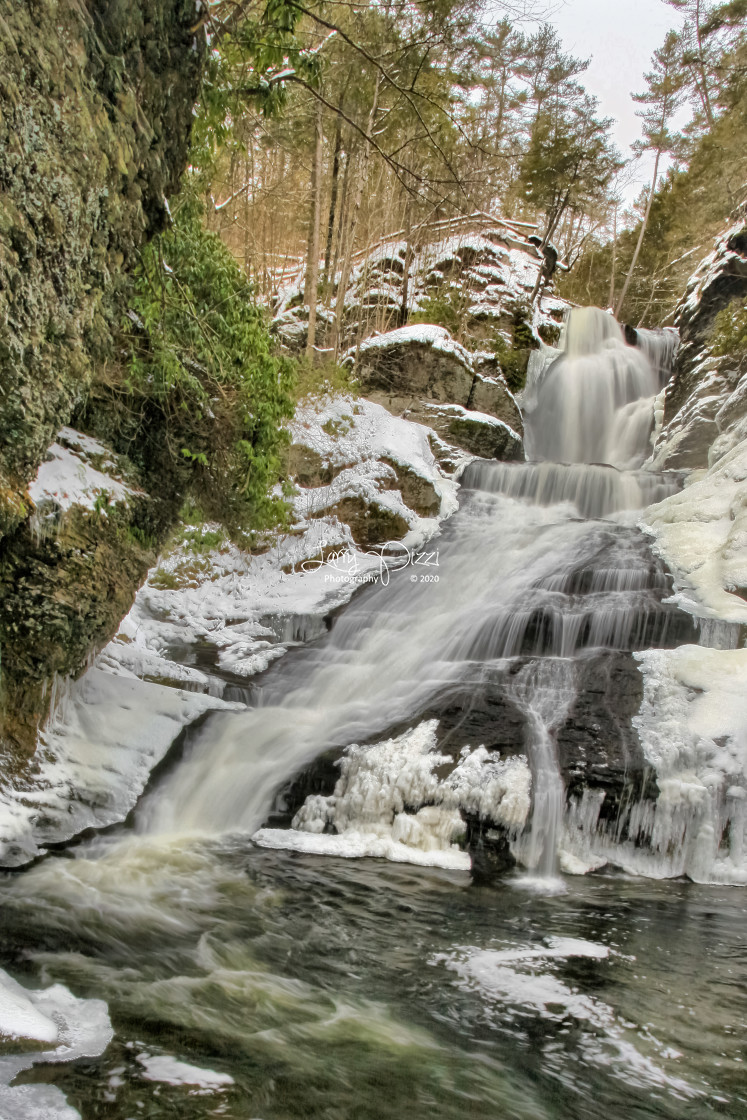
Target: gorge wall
x,y
96,104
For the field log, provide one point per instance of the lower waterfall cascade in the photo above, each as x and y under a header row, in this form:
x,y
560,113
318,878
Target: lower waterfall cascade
x,y
541,573
512,701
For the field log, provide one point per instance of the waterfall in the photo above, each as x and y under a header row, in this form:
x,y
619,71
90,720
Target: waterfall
x,y
660,347
544,690
595,402
541,564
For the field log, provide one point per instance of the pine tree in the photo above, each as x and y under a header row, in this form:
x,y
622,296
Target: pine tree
x,y
666,85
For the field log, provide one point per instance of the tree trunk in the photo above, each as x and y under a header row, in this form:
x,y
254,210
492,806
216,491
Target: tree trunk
x,y
611,301
644,223
312,265
333,201
552,225
353,222
706,98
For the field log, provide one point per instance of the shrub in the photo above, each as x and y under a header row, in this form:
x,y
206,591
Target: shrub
x,y
447,308
314,379
730,330
200,357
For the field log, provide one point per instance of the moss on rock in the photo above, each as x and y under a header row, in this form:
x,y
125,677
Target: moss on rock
x,y
95,116
96,103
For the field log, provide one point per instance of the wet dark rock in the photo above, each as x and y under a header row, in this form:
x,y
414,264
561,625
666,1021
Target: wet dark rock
x,y
319,778
490,850
598,746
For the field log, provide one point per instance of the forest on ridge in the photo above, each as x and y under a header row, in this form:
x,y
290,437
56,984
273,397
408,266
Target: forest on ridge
x,y
332,126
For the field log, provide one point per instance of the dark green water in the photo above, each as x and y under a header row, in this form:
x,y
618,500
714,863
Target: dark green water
x,y
336,989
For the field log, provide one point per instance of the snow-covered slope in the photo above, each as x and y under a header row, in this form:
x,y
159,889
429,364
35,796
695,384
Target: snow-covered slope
x,y
207,619
487,278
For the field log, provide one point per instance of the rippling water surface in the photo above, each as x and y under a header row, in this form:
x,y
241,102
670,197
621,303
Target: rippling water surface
x,y
338,989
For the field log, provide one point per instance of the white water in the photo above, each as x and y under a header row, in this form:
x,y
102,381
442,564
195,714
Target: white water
x,y
595,403
540,563
544,691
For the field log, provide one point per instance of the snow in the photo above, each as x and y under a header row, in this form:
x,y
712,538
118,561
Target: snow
x,y
226,606
171,1071
19,1017
693,730
528,987
67,477
504,258
425,334
477,417
239,611
373,808
354,844
74,1028
92,764
701,533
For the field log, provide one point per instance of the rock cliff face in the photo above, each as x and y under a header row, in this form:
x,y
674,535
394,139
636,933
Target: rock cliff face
x,y
477,284
705,400
95,113
96,104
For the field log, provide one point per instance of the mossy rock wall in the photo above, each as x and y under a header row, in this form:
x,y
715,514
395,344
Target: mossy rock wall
x,y
62,595
96,106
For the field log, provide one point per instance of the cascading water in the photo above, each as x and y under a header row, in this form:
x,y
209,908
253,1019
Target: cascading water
x,y
544,691
540,564
243,981
595,403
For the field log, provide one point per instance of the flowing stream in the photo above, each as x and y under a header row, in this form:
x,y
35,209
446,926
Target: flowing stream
x,y
337,988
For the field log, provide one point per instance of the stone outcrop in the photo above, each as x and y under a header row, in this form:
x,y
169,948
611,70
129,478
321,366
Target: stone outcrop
x,y
422,373
705,408
598,746
414,363
476,283
473,432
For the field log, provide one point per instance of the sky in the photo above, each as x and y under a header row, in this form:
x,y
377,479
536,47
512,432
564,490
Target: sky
x,y
619,36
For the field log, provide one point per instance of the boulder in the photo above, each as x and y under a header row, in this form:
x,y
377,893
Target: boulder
x,y
491,395
420,372
474,432
413,363
370,524
417,492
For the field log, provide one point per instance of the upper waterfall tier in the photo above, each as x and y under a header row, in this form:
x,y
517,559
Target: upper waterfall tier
x,y
594,403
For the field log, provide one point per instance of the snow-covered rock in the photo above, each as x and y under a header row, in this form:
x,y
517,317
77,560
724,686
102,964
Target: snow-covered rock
x,y
412,363
201,625
68,1029
702,532
487,272
422,373
705,408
